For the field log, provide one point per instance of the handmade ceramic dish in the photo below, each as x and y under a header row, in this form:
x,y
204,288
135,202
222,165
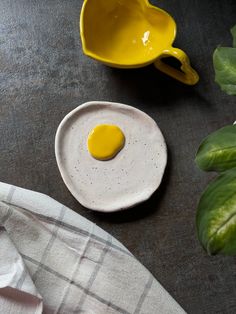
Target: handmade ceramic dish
x,y
132,34
131,177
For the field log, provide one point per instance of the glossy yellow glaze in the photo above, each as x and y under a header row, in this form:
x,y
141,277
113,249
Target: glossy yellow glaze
x,y
105,141
132,33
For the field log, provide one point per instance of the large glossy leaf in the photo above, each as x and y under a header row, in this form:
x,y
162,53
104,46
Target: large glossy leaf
x,y
224,60
217,152
216,215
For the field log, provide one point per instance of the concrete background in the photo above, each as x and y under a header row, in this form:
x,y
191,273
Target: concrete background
x,y
44,75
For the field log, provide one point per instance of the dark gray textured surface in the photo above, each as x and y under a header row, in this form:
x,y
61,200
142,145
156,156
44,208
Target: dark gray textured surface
x,y
43,75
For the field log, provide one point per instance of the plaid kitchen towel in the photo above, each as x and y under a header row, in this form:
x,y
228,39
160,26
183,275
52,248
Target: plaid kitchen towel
x,y
52,260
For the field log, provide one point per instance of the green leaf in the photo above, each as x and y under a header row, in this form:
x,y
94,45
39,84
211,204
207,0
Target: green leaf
x,y
224,61
217,151
216,215
233,32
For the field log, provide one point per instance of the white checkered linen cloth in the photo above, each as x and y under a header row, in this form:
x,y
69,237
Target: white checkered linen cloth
x,y
52,260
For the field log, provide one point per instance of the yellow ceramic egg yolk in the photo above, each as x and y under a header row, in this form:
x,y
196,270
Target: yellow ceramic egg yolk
x,y
105,141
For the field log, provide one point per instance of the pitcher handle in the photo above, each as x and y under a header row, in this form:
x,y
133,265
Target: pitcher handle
x,y
186,75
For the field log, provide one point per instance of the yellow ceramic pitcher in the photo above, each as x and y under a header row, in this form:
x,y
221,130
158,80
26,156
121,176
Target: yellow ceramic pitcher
x,y
132,34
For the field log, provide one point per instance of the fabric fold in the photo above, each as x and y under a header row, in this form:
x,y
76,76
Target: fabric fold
x,y
18,293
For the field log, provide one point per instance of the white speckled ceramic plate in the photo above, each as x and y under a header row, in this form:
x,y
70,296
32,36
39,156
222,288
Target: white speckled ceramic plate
x,y
131,177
